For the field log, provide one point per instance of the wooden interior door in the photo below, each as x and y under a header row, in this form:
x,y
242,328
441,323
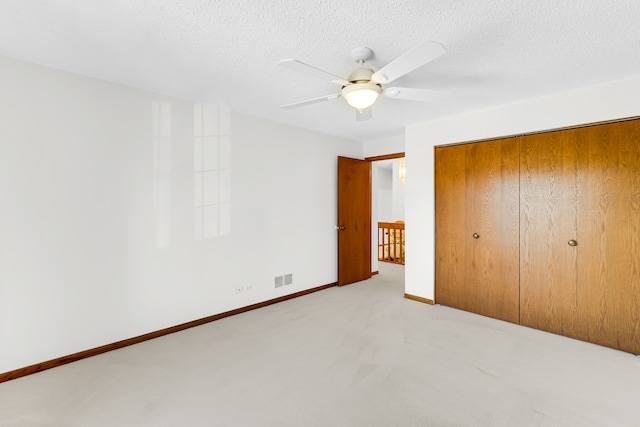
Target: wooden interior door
x,y
548,265
608,234
354,220
477,228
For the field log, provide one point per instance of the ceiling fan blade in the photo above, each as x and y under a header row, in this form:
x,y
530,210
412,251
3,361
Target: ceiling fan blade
x,y
412,94
409,61
310,101
363,115
294,64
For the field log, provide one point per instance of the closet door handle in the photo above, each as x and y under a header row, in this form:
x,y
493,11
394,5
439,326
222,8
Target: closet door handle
x,y
572,243
476,236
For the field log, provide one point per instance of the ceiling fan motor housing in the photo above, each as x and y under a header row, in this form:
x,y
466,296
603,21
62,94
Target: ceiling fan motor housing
x,y
361,75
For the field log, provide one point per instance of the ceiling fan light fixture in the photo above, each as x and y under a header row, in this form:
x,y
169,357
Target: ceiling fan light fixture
x,y
361,95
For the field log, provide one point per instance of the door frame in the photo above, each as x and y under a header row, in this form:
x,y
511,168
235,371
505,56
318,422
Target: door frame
x,y
372,159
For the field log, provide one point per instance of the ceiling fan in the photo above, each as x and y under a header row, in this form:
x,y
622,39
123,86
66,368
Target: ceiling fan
x,y
364,85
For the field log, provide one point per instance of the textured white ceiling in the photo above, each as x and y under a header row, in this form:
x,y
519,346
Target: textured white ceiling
x,y
226,52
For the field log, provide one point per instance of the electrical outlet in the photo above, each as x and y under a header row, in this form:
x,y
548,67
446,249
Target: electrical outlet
x,y
248,288
288,279
239,289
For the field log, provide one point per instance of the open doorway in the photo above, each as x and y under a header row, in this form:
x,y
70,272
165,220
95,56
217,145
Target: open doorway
x,y
387,215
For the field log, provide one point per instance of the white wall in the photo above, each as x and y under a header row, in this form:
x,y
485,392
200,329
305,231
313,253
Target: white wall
x,y
592,104
98,235
381,147
385,193
389,189
398,193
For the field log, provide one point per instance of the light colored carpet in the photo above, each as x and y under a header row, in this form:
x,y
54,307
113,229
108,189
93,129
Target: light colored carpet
x,y
360,355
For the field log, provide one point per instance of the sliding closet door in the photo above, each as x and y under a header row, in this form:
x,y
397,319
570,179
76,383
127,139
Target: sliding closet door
x,y
477,196
548,263
608,235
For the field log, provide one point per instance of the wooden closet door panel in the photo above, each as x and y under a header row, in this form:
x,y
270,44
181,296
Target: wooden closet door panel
x,y
477,192
494,217
548,265
609,235
453,255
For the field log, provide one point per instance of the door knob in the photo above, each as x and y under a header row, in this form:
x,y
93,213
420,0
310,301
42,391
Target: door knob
x,y
342,227
476,236
573,243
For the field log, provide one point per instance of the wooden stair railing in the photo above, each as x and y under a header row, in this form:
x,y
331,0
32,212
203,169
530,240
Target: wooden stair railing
x,y
391,242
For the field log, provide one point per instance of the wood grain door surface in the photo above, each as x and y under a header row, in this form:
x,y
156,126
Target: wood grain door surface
x,y
548,265
609,235
354,220
477,194
453,253
526,198
582,185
